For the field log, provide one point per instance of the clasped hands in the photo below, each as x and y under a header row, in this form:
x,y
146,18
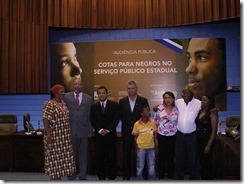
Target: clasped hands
x,y
104,132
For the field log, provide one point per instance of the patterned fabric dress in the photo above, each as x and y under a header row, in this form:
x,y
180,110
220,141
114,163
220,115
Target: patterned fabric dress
x,y
59,157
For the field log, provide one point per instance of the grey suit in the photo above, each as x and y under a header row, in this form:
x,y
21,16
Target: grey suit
x,y
80,126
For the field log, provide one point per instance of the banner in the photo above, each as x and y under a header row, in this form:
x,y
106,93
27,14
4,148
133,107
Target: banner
x,y
158,65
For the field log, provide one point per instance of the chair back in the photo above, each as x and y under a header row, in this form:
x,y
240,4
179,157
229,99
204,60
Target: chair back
x,y
26,123
8,122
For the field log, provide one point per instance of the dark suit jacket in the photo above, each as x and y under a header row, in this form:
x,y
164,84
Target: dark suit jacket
x,y
80,124
127,117
107,120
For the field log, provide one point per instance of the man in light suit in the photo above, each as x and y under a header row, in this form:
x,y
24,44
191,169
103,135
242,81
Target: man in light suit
x,y
129,109
79,105
104,119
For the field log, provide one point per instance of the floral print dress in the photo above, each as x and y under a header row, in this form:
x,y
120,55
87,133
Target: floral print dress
x,y
167,123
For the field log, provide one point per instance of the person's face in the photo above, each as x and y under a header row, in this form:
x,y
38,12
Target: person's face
x,y
187,95
206,66
77,86
102,95
70,68
60,94
168,100
146,113
132,89
205,102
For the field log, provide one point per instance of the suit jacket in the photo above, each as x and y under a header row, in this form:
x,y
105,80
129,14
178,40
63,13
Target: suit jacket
x,y
107,120
127,117
80,124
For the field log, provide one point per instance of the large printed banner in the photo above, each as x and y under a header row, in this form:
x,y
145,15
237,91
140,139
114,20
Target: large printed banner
x,y
157,65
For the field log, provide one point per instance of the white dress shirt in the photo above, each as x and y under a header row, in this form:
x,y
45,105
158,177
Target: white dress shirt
x,y
187,114
132,103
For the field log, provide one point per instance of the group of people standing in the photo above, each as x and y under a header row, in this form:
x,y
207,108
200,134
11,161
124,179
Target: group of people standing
x,y
182,129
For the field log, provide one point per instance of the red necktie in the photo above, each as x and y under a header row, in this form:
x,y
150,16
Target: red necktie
x,y
77,99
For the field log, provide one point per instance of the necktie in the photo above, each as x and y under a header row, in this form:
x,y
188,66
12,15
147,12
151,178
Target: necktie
x,y
103,106
77,99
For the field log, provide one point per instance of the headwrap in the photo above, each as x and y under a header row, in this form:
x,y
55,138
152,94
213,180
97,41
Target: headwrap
x,y
56,88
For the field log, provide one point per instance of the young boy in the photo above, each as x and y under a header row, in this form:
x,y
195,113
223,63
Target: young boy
x,y
145,131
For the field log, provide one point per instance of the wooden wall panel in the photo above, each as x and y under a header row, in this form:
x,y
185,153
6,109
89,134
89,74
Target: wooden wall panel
x,y
28,58
208,14
71,13
216,11
5,57
185,12
192,11
21,58
162,13
5,9
170,10
119,17
24,28
12,56
1,63
21,9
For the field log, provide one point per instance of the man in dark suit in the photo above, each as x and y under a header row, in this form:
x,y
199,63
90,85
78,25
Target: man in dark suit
x,y
105,118
79,105
129,109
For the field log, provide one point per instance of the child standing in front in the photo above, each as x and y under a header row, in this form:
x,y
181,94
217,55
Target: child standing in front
x,y
145,130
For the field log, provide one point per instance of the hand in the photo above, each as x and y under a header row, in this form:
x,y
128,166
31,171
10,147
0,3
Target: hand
x,y
206,149
156,143
215,110
49,140
155,108
104,132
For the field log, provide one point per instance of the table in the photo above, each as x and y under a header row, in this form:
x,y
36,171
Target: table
x,y
20,152
227,158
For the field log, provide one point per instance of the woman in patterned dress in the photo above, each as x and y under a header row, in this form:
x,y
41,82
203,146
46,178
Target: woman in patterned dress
x,y
58,152
166,118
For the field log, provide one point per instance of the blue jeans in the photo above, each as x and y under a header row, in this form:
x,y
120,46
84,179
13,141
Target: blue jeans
x,y
149,156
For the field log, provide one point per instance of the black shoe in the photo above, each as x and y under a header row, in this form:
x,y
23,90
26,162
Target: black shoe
x,y
102,178
80,178
111,178
71,177
126,178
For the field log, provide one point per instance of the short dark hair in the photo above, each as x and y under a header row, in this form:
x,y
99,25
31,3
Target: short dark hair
x,y
142,107
188,88
102,87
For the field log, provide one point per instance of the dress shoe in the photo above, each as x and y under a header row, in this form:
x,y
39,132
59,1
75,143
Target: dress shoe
x,y
111,178
80,178
126,178
71,177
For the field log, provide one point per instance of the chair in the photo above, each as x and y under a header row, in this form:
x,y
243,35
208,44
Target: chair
x,y
26,122
8,122
233,126
233,120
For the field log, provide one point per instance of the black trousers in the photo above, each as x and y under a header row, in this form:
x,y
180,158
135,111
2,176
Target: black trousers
x,y
166,155
128,142
186,150
105,154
